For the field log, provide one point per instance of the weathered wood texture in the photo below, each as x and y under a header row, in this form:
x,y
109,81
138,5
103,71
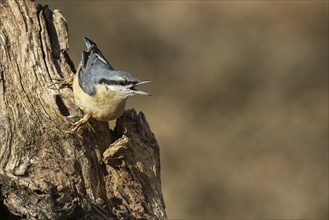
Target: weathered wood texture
x,y
45,172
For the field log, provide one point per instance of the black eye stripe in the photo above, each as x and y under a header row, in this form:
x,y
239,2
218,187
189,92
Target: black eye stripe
x,y
114,82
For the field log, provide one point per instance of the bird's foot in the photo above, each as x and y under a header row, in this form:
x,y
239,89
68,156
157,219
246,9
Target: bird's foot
x,y
79,124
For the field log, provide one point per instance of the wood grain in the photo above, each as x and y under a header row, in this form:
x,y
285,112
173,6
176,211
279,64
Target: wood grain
x,y
45,172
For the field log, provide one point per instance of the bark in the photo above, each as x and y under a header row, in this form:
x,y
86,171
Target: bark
x,y
45,172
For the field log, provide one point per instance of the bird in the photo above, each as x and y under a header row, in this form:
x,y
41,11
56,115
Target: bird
x,y
100,91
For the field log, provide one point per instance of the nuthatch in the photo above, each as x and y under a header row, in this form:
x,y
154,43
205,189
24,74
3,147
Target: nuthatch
x,y
99,90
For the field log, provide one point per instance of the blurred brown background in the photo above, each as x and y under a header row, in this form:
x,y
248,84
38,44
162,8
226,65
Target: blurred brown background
x,y
240,105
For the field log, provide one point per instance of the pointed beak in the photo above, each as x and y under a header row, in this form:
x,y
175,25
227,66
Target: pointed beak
x,y
139,92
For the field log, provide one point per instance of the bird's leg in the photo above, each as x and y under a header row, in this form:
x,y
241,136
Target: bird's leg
x,y
77,125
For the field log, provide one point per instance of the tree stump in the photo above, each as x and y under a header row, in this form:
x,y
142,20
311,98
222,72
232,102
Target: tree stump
x,y
46,172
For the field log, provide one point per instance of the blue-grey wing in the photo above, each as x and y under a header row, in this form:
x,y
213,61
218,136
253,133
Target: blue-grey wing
x,y
90,74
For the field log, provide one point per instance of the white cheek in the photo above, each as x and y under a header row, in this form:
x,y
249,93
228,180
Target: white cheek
x,y
119,90
112,88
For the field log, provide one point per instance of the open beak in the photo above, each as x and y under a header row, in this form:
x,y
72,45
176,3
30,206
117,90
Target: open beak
x,y
133,87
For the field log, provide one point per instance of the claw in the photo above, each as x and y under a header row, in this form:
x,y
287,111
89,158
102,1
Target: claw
x,y
79,124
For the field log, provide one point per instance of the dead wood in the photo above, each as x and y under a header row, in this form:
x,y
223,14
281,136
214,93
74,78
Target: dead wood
x,y
45,172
